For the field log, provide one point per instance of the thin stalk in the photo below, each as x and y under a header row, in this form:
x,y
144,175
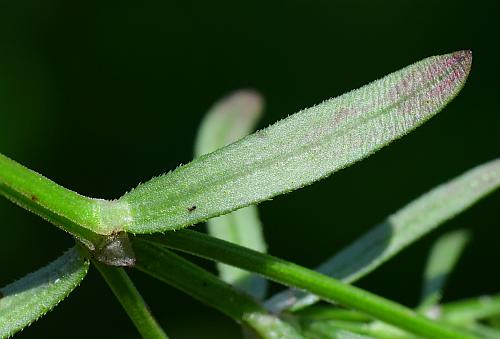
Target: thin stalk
x,y
132,301
331,313
74,213
86,236
294,275
176,271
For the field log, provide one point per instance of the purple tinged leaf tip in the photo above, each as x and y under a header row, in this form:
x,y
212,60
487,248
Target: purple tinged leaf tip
x,y
461,62
464,58
453,74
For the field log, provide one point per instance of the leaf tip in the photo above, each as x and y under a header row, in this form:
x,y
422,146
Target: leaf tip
x,y
464,58
245,101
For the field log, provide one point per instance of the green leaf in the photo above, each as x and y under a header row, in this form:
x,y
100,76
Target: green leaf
x,y
325,316
229,120
332,329
483,331
467,311
204,286
300,149
471,314
241,227
26,300
400,230
442,259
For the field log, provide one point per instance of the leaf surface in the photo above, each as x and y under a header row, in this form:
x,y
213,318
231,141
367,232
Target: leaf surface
x,y
442,259
24,301
299,150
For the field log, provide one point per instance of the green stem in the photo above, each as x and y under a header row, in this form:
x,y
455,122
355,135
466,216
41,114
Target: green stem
x,y
43,197
86,236
96,223
206,287
78,215
131,300
293,275
316,313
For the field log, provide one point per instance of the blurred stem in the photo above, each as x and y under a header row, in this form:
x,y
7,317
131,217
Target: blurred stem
x,y
471,309
131,300
293,275
206,287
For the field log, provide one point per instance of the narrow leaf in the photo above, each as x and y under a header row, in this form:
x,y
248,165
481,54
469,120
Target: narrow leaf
x,y
442,259
471,314
229,120
26,300
204,286
483,331
400,230
300,149
466,311
331,329
241,227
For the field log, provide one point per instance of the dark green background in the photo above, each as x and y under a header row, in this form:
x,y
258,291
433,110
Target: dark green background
x,y
101,95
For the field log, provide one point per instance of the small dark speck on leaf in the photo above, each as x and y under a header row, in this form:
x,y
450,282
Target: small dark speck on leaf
x,y
34,197
192,208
